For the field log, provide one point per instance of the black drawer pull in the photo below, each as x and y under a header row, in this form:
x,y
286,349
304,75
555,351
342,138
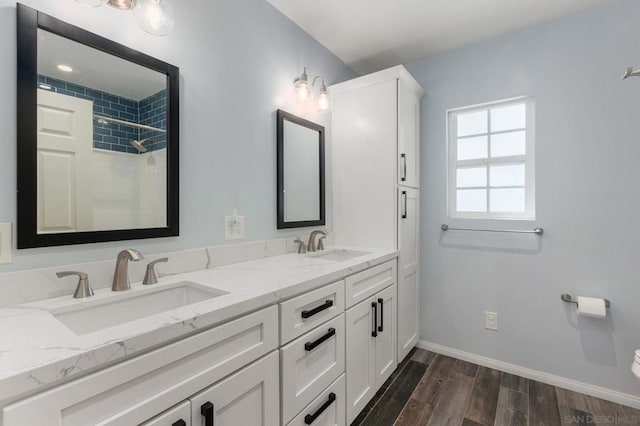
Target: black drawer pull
x,y
374,333
404,212
404,169
310,418
309,346
180,423
381,326
206,410
325,305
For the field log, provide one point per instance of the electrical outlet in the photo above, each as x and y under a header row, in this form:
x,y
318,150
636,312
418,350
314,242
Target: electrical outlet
x,y
5,243
491,321
234,227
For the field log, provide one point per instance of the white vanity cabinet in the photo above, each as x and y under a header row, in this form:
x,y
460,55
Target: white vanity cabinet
x,y
376,178
304,361
371,347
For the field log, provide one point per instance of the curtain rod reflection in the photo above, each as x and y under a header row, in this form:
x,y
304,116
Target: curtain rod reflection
x,y
103,119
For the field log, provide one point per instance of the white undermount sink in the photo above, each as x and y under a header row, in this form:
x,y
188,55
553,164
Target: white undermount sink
x,y
337,255
129,306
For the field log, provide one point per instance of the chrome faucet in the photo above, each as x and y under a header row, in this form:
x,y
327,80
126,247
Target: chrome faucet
x,y
83,289
321,243
121,275
302,248
312,239
150,276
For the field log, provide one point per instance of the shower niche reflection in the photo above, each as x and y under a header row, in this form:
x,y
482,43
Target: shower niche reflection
x,y
101,141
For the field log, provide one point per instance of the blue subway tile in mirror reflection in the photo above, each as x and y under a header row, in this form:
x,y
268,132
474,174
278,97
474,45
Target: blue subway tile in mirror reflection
x,y
151,111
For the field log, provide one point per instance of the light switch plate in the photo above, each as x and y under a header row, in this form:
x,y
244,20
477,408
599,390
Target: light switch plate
x,y
5,244
233,227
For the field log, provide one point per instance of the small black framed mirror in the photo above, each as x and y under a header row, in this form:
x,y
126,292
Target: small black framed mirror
x,y
301,172
98,138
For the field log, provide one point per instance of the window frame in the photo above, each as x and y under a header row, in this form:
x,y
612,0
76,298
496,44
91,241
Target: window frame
x,y
528,159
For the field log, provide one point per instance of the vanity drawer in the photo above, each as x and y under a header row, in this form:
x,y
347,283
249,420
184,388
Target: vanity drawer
x,y
328,409
367,283
179,415
136,390
303,313
309,364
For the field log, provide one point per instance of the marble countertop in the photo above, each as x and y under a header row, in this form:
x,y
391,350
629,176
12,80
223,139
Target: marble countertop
x,y
37,350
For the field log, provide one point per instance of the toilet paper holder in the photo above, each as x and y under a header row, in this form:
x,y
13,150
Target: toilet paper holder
x,y
567,298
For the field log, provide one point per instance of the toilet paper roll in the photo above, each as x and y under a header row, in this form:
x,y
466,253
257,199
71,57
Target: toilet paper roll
x,y
635,367
591,307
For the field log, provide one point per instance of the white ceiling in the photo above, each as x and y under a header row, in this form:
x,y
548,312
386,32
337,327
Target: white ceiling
x,y
96,69
370,35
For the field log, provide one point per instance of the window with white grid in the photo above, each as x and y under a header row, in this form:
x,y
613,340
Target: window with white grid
x,y
491,161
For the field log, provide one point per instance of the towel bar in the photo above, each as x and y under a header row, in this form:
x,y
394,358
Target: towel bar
x,y
536,231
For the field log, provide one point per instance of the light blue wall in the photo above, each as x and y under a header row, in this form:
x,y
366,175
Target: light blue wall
x,y
237,62
588,200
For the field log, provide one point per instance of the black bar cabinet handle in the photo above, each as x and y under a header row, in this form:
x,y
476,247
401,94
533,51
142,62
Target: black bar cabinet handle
x,y
312,312
310,418
374,333
180,423
404,212
206,410
404,170
381,326
309,346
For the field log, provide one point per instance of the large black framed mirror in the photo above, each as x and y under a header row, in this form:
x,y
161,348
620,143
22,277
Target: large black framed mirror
x,y
301,172
98,138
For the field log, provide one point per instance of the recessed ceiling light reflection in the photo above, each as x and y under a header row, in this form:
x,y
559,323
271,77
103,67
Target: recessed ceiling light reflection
x,y
65,68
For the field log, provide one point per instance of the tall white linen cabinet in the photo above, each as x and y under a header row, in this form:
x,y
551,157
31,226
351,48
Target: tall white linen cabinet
x,y
376,179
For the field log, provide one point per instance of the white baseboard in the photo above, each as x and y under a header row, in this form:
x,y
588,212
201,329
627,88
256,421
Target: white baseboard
x,y
540,376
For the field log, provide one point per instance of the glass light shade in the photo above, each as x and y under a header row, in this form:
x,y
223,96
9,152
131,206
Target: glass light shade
x,y
323,101
154,16
302,89
302,86
92,3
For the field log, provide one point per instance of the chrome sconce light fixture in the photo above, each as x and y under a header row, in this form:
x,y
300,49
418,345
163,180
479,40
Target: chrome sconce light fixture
x,y
154,16
304,90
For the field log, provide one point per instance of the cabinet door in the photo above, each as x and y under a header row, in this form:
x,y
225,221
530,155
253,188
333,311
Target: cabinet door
x,y
408,272
361,357
180,415
364,165
248,397
408,137
386,345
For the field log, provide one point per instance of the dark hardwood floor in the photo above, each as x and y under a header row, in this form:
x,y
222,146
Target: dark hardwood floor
x,y
430,389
